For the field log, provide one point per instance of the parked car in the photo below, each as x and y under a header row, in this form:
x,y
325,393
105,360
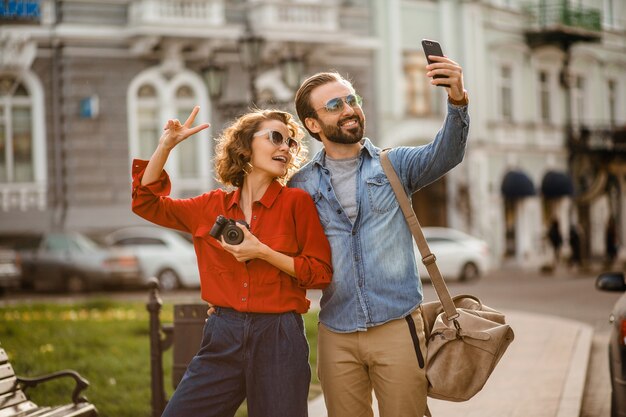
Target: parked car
x,y
10,269
614,281
459,256
70,262
162,253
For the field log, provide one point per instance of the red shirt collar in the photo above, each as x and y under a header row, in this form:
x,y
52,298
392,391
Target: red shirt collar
x,y
267,200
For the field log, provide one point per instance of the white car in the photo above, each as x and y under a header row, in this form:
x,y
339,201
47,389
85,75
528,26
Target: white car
x,y
459,256
162,253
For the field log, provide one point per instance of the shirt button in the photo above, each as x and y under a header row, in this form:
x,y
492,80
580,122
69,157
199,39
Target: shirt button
x,y
353,233
243,298
245,284
356,258
328,189
254,217
338,211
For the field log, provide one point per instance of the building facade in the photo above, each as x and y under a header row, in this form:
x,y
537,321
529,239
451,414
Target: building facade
x,y
547,87
86,85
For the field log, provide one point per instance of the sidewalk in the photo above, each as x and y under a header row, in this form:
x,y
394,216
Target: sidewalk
x,y
542,374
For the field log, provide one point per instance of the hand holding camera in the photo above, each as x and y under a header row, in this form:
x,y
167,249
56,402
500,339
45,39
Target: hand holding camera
x,y
235,238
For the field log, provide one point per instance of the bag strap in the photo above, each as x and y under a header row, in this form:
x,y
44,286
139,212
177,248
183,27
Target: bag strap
x,y
428,259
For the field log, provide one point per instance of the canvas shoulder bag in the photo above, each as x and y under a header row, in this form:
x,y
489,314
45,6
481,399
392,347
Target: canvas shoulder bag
x,y
465,339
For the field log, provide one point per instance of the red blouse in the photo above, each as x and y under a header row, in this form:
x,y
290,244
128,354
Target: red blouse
x,y
285,219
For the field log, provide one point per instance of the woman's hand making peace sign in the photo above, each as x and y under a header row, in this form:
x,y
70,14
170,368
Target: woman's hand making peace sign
x,y
174,132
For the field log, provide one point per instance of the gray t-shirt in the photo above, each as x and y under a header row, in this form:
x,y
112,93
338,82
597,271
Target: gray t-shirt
x,y
343,179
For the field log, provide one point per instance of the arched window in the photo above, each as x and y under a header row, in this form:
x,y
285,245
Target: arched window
x,y
16,134
152,100
147,120
188,150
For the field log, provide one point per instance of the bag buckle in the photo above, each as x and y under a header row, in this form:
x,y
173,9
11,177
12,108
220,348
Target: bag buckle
x,y
429,259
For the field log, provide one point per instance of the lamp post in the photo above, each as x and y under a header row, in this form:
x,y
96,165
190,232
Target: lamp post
x,y
292,68
250,48
215,78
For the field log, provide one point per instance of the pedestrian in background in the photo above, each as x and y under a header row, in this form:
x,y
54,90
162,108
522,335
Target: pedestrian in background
x,y
253,345
575,260
371,334
611,241
556,240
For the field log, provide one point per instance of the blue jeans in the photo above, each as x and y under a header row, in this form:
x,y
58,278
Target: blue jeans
x,y
258,356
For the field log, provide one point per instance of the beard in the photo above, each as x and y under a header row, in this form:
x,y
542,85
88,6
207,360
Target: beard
x,y
337,135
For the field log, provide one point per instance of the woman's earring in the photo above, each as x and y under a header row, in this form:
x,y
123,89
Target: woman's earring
x,y
248,168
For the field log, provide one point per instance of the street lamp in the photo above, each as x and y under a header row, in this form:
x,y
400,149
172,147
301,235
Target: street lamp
x,y
250,48
215,78
292,69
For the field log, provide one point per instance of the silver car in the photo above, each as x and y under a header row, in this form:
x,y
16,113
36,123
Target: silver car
x,y
459,256
163,253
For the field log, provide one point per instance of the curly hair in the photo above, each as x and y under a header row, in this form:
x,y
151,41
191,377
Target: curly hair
x,y
234,146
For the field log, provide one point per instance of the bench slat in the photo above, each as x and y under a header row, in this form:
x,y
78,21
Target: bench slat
x,y
8,385
6,371
12,398
72,410
17,409
3,356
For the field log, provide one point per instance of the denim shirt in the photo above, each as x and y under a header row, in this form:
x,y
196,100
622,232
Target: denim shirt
x,y
375,277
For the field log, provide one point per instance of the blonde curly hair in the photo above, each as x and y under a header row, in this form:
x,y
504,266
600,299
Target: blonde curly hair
x,y
234,146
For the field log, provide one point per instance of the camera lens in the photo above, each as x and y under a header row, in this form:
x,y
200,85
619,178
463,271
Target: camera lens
x,y
233,235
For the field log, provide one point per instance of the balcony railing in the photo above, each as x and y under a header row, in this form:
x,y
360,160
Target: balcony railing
x,y
188,13
22,197
283,15
611,140
563,14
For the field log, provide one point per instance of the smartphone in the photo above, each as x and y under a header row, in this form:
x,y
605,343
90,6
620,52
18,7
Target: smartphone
x,y
433,48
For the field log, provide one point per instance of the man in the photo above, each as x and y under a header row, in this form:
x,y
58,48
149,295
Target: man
x,y
364,339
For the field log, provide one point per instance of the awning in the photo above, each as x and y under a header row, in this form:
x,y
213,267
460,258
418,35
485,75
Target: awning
x,y
556,185
516,184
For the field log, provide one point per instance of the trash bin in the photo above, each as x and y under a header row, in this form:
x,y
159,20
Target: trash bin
x,y
189,322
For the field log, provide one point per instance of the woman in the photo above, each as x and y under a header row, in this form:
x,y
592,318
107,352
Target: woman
x,y
254,345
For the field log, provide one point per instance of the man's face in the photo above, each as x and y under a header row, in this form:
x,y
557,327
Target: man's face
x,y
345,125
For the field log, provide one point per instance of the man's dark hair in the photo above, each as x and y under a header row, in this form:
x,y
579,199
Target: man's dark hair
x,y
303,95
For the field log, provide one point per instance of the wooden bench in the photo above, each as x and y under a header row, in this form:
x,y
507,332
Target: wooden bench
x,y
184,336
14,401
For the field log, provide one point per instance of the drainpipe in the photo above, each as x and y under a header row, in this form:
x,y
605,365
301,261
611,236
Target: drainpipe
x,y
60,174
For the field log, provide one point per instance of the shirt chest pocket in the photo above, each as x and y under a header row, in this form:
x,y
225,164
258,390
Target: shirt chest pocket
x,y
321,204
380,194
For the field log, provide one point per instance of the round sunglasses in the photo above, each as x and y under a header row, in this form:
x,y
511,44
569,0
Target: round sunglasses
x,y
278,139
335,105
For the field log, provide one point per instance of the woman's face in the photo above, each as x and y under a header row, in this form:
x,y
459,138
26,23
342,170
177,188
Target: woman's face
x,y
268,158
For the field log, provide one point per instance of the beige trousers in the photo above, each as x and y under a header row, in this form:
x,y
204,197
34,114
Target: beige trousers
x,y
350,365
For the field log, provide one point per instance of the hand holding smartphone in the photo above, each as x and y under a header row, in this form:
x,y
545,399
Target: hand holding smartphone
x,y
433,48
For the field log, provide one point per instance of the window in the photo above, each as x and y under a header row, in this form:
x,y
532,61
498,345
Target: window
x,y
506,93
148,120
612,87
16,136
544,96
154,98
188,150
417,84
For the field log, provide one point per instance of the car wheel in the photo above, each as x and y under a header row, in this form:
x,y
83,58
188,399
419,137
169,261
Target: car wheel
x,y
75,284
168,280
469,272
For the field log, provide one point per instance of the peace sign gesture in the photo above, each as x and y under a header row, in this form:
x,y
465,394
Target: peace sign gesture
x,y
175,132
